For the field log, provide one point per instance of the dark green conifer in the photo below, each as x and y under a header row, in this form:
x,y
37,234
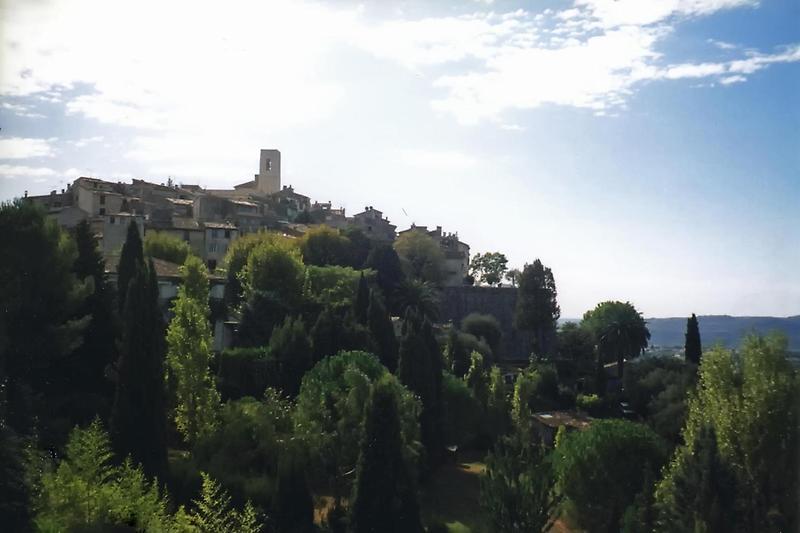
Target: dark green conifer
x,y
384,499
292,507
88,364
324,335
291,348
457,353
361,304
138,421
382,330
694,349
130,259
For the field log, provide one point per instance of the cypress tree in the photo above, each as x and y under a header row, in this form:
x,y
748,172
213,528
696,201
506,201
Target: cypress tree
x,y
292,507
384,499
419,369
537,307
457,353
361,303
290,346
138,421
436,403
382,330
324,335
693,347
88,364
130,259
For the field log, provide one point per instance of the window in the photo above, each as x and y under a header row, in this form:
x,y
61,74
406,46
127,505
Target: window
x,y
212,264
102,210
113,220
214,234
186,235
227,234
102,199
269,165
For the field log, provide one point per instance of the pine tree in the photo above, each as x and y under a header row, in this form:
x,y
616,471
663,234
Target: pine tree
x,y
213,512
290,346
130,259
292,507
694,349
384,498
361,304
138,417
382,330
15,493
189,344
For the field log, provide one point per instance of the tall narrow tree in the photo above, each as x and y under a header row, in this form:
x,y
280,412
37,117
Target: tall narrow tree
x,y
291,348
361,303
384,499
537,306
693,347
189,345
138,422
130,259
380,326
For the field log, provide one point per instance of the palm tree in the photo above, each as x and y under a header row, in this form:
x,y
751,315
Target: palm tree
x,y
419,296
620,330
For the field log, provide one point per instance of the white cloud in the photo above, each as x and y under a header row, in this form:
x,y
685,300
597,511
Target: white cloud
x,y
86,141
722,45
732,79
23,171
25,148
441,161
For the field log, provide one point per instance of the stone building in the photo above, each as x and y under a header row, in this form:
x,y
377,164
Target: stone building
x,y
456,254
374,225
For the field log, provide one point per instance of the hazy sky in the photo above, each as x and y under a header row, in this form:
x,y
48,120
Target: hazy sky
x,y
645,150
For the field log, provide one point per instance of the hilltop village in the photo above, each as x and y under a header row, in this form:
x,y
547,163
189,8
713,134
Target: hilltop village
x,y
209,220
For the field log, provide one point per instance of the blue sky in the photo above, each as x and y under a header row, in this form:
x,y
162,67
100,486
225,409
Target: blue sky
x,y
645,150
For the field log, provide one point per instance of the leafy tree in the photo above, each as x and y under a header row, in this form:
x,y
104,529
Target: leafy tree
x,y
333,333
323,245
488,268
382,329
703,487
189,343
693,347
536,389
138,424
483,326
420,297
237,256
384,496
602,469
213,512
330,412
513,276
518,488
360,246
537,309
289,345
388,272
292,508
421,256
361,303
89,492
246,445
160,245
619,329
457,354
750,401
332,286
276,268
40,297
640,517
130,260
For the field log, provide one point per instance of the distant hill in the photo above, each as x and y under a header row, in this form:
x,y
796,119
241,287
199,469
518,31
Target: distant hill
x,y
729,330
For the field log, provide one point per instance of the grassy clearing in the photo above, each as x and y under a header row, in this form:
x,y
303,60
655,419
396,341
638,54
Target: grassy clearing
x,y
452,496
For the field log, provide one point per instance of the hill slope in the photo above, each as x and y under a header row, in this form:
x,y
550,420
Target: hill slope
x,y
729,330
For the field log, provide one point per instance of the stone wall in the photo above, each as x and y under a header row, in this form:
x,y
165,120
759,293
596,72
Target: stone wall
x,y
458,302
